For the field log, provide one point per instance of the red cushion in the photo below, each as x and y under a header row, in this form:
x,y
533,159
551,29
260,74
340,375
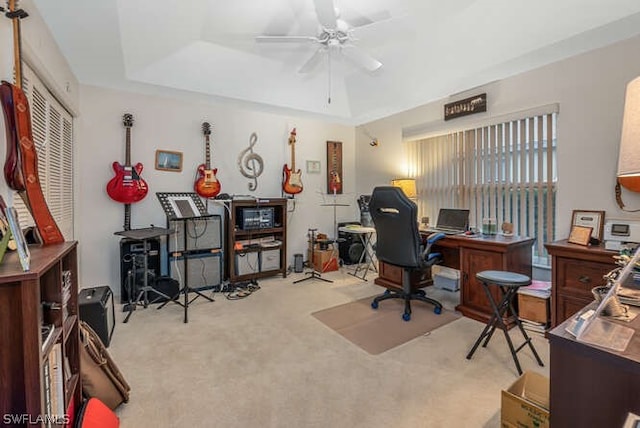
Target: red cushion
x,y
95,414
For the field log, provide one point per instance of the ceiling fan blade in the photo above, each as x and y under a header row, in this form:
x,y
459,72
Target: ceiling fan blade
x,y
312,62
285,39
356,20
360,58
326,12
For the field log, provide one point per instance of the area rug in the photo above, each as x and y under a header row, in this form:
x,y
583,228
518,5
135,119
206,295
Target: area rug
x,y
378,330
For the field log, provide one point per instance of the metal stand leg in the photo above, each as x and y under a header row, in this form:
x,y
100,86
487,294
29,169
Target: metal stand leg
x,y
313,274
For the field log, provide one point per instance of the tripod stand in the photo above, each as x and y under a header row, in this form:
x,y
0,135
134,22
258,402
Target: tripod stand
x,y
142,299
313,274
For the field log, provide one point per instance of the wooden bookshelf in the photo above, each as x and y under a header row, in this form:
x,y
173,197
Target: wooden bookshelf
x,y
27,301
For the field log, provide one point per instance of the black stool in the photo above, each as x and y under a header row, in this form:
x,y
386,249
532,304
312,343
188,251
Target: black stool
x,y
508,283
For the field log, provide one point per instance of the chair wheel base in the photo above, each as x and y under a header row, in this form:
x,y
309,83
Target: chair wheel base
x,y
437,310
406,316
374,304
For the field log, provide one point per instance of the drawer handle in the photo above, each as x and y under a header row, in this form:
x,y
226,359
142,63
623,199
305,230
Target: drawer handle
x,y
584,279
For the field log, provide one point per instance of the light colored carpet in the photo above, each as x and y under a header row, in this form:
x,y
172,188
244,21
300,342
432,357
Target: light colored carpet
x,y
264,361
379,330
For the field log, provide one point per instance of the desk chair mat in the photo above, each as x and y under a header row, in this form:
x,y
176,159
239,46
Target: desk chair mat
x,y
379,330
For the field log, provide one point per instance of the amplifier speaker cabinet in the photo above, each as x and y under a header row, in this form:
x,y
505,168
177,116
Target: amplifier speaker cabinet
x,y
349,247
95,306
131,256
202,234
205,269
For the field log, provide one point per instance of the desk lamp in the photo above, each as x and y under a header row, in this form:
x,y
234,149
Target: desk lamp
x,y
628,174
408,186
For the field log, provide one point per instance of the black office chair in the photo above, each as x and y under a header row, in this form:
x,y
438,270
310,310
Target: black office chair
x,y
399,243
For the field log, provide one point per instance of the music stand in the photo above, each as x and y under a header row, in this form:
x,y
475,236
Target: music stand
x,y
143,235
313,274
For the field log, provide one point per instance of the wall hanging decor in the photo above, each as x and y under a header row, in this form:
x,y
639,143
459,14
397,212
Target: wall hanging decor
x,y
250,164
334,167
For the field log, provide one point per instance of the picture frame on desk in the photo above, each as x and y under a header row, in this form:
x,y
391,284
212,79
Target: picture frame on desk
x,y
592,219
580,235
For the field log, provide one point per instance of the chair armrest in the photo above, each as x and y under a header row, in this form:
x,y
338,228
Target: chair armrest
x,y
431,239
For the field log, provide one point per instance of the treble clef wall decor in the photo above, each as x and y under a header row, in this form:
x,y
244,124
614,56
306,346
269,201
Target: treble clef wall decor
x,y
250,164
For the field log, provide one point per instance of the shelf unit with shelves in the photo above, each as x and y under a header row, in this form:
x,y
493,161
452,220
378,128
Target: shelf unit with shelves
x,y
253,227
29,300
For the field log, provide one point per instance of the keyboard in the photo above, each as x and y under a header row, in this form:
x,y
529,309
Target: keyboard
x,y
445,231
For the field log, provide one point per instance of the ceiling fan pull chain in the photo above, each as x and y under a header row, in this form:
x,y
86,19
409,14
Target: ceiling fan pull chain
x,y
329,59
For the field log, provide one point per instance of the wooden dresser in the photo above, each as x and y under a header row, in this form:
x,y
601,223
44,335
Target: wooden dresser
x,y
575,270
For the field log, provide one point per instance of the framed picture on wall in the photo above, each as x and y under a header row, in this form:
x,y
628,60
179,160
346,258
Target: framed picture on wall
x,y
592,219
168,161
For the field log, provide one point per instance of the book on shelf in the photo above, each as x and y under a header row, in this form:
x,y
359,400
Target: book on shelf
x,y
46,331
56,375
46,375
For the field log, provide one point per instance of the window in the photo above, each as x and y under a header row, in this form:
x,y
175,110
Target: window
x,y
505,171
52,132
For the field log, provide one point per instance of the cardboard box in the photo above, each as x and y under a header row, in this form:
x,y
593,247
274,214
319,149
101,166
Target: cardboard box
x,y
325,260
533,308
525,404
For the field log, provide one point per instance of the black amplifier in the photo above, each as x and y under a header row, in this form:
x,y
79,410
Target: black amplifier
x,y
95,306
257,218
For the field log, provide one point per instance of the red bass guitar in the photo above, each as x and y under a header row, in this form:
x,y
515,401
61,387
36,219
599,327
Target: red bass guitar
x,y
127,186
21,164
292,181
207,185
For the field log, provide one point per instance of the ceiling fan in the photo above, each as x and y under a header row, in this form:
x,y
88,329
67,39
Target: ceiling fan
x,y
335,36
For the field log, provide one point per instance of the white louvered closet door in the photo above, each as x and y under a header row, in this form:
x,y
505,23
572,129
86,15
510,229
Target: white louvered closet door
x,y
52,129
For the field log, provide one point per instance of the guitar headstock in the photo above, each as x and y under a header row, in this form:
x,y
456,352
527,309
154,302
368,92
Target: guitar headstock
x,y
206,128
127,120
292,136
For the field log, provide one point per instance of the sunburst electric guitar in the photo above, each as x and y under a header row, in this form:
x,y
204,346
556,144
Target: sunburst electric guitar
x,y
292,178
207,184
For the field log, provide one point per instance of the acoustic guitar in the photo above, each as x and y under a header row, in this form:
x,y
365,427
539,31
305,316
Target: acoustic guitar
x,y
292,181
207,184
21,163
127,186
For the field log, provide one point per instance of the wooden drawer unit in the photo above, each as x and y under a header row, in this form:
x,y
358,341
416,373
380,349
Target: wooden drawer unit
x,y
575,270
580,276
390,276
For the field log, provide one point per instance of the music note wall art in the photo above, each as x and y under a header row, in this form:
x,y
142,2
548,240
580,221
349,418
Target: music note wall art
x,y
250,164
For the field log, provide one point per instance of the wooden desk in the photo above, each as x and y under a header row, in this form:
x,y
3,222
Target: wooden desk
x,y
591,386
471,255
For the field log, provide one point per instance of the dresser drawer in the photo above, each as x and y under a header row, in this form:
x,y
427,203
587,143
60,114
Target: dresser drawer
x,y
579,276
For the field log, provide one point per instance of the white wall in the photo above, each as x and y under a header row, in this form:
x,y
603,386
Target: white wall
x,y
590,90
171,124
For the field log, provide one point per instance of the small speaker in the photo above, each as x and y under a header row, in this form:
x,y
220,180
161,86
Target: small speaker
x,y
298,263
95,306
204,269
202,234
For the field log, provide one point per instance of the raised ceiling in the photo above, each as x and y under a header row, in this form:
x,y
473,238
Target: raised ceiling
x,y
429,48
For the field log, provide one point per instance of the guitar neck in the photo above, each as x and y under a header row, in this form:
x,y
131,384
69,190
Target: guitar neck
x,y
207,153
16,16
293,155
127,158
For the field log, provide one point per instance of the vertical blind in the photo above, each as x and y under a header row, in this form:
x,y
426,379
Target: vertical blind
x,y
52,132
505,172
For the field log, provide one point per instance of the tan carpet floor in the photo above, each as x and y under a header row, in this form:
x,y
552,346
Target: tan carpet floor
x,y
265,361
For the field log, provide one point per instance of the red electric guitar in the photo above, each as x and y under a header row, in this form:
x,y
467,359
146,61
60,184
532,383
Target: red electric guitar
x,y
292,182
127,186
21,164
207,185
